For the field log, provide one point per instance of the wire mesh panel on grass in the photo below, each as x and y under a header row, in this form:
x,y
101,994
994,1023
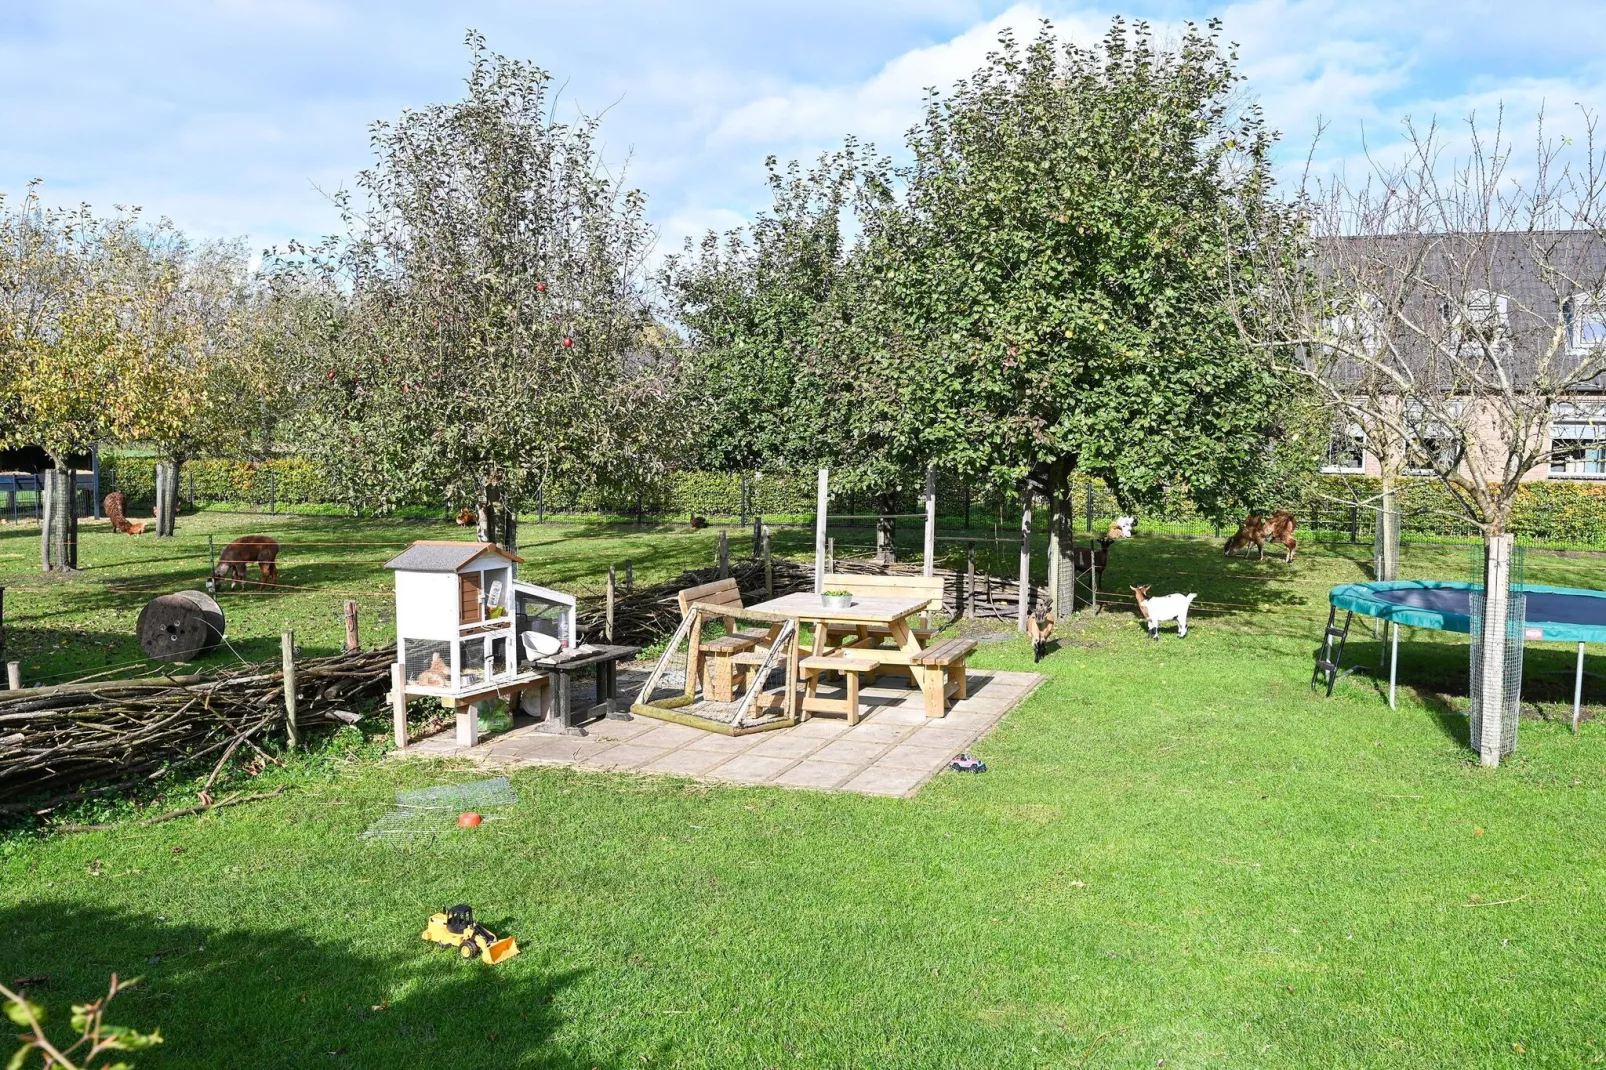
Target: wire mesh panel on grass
x,y
432,811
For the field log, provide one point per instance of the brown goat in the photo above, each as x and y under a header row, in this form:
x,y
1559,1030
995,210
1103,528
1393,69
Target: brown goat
x,y
1258,530
1039,629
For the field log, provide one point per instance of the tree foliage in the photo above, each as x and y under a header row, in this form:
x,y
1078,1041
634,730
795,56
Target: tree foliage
x,y
1057,259
482,328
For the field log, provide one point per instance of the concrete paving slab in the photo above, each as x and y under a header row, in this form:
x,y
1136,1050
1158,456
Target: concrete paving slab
x,y
813,774
880,780
912,756
752,768
892,751
860,752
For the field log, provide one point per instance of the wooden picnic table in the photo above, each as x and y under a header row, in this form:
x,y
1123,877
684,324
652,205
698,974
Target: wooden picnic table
x,y
891,613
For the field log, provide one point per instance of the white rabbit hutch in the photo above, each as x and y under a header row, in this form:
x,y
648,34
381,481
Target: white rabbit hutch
x,y
467,630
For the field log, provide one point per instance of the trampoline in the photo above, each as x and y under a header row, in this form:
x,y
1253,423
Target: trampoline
x,y
1554,614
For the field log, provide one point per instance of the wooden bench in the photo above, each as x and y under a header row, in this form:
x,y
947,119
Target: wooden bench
x,y
945,678
928,587
851,668
715,661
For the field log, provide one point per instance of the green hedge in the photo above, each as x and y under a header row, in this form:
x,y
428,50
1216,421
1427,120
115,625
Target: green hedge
x,y
1557,511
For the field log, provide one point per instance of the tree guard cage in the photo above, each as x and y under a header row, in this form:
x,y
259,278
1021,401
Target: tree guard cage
x,y
1386,541
670,692
1496,669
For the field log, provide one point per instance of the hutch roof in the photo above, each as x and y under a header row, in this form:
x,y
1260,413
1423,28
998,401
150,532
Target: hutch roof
x,y
445,556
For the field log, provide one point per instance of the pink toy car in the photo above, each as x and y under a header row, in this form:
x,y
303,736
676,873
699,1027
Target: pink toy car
x,y
966,764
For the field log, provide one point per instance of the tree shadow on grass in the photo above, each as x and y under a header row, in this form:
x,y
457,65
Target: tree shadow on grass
x,y
284,998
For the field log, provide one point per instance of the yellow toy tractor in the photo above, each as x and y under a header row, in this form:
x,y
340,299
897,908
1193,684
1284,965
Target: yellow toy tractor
x,y
455,928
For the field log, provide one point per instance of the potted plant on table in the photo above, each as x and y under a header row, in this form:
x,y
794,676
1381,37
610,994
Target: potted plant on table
x,y
837,599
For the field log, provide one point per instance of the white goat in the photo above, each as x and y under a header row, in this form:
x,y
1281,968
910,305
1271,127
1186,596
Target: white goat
x,y
1121,528
1166,607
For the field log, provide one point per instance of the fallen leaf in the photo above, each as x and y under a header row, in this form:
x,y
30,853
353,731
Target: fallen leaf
x,y
1477,832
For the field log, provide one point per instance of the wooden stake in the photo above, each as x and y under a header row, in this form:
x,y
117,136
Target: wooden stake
x,y
14,675
398,703
287,643
970,580
352,642
928,569
724,554
630,577
1022,610
822,503
769,568
830,555
607,626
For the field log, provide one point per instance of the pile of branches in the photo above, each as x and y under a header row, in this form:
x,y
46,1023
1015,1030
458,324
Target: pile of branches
x,y
119,733
648,614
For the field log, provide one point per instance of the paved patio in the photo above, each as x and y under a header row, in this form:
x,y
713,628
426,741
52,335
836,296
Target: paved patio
x,y
893,749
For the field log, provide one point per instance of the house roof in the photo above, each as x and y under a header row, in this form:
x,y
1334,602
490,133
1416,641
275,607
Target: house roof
x,y
1426,277
429,555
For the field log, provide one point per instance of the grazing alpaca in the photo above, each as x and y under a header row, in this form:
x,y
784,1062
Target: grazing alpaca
x,y
1039,627
1257,531
1166,607
115,507
1120,528
239,554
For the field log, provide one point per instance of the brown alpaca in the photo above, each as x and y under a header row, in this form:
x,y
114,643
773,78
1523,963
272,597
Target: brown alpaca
x,y
116,509
239,554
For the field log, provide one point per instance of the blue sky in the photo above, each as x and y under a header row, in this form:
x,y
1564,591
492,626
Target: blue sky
x,y
229,117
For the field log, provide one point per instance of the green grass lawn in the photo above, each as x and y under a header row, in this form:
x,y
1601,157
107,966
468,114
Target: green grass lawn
x,y
1180,857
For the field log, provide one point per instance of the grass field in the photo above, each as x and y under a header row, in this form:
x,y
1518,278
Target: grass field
x,y
1180,857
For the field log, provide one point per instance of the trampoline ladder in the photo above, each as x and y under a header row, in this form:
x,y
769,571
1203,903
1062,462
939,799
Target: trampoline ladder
x,y
1332,652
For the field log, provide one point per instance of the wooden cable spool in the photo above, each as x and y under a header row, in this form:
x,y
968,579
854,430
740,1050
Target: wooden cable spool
x,y
180,627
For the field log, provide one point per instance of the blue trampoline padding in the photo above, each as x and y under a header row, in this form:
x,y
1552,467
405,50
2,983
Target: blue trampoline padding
x,y
1556,614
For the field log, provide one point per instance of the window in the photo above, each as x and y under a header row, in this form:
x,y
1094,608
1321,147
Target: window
x,y
1346,453
1435,446
1480,319
1577,441
1585,317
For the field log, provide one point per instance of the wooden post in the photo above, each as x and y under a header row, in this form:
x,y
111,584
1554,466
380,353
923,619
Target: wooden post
x,y
630,577
1089,506
607,626
769,567
2,619
14,675
970,580
1024,608
822,502
398,703
352,642
287,644
758,535
742,499
724,556
211,564
930,565
830,566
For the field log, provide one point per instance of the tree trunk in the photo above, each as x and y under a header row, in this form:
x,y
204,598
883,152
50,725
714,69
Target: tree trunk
x,y
58,534
496,522
886,530
167,486
1388,561
1494,705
